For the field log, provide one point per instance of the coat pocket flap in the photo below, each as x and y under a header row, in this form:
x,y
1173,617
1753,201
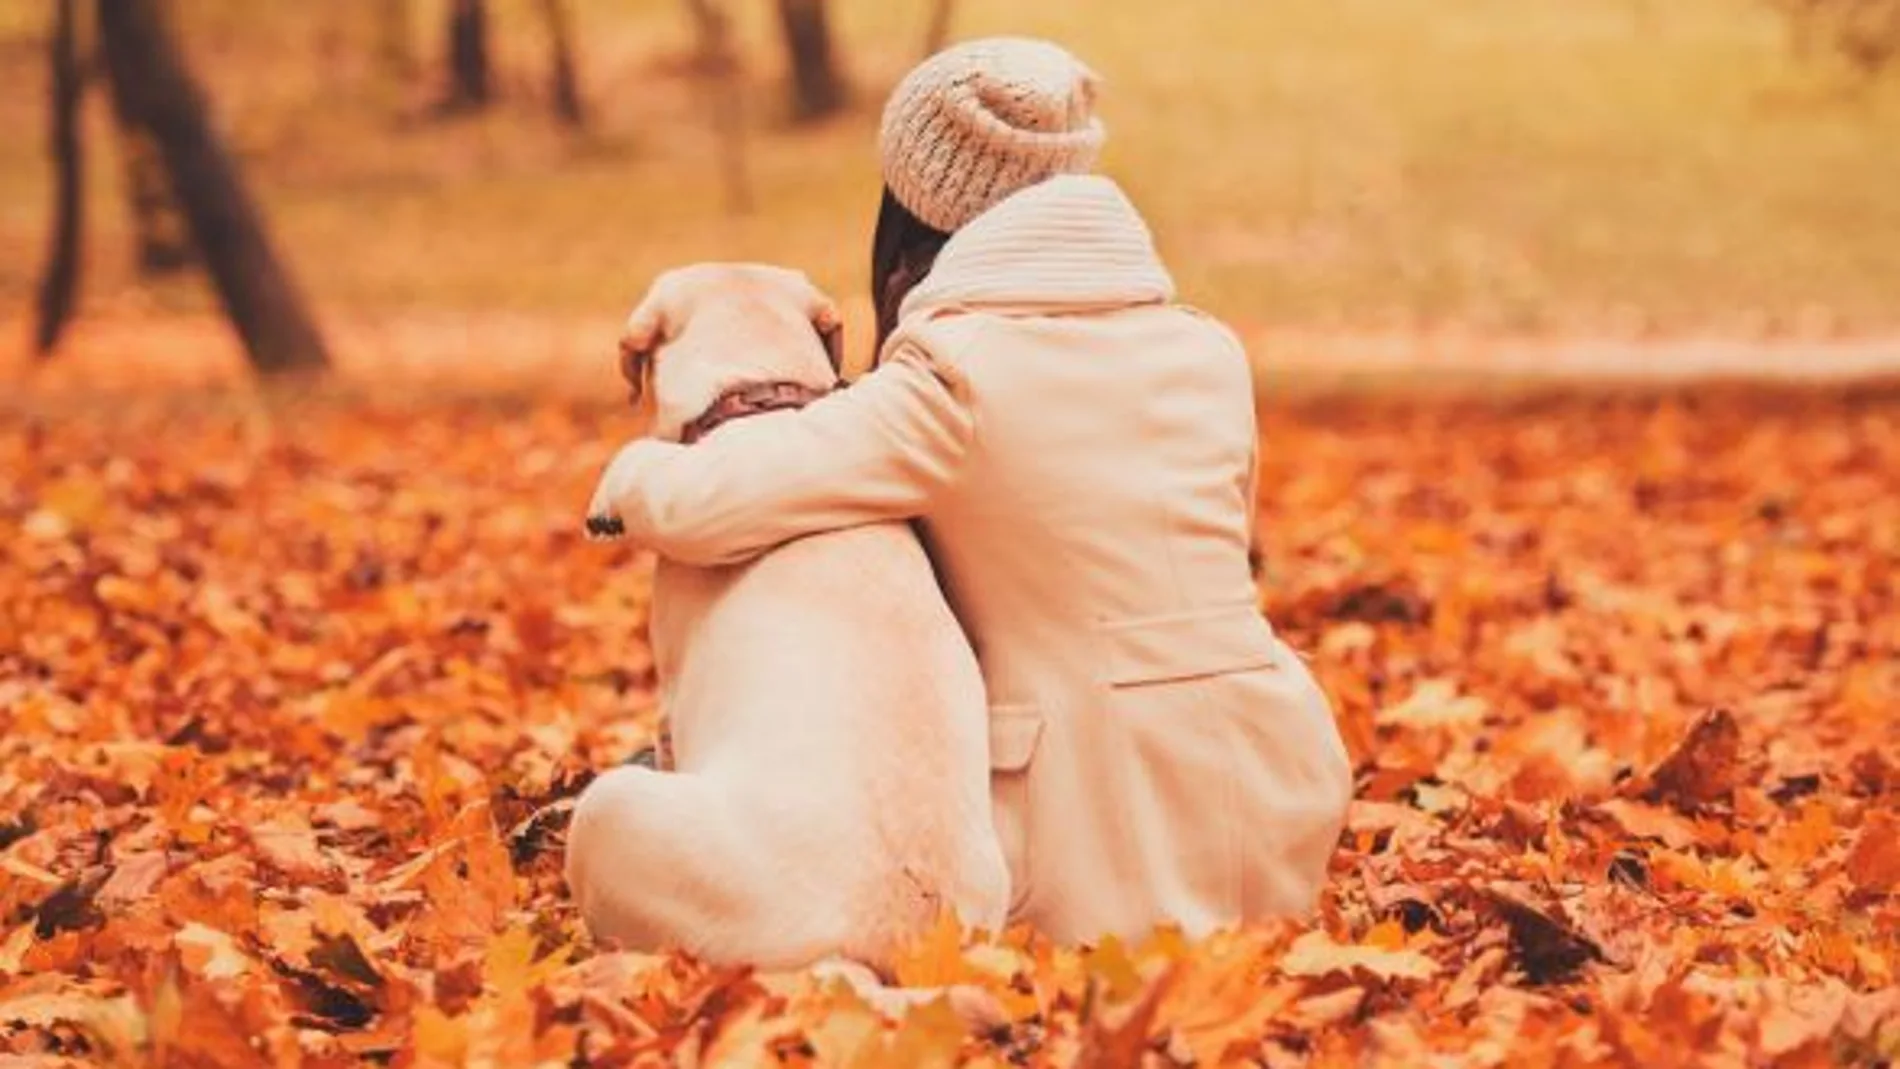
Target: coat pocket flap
x,y
1202,642
1014,732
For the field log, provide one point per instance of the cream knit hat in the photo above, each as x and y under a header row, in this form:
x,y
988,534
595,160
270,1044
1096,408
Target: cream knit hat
x,y
984,119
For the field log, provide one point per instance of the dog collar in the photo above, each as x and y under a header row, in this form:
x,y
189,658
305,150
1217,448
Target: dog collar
x,y
749,399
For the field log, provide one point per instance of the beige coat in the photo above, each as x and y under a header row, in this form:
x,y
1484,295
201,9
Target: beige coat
x,y
1081,452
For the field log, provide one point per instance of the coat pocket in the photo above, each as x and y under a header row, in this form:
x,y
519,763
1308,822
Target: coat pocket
x,y
1015,732
1184,645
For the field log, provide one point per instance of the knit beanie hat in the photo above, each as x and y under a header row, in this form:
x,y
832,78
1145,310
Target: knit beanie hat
x,y
985,119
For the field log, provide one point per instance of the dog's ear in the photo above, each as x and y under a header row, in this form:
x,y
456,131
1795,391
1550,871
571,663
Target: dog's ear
x,y
636,366
638,339
829,323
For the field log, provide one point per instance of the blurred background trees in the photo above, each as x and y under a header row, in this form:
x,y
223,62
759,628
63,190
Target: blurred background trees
x,y
176,166
395,46
818,85
154,90
1864,33
938,35
66,66
159,230
564,81
1627,168
468,55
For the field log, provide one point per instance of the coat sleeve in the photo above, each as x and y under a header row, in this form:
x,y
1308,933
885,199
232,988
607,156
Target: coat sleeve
x,y
880,450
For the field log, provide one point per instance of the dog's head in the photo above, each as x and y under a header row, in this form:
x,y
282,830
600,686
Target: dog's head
x,y
706,328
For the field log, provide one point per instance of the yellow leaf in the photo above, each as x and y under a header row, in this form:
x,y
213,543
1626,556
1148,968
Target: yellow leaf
x,y
929,1036
210,953
1111,964
1731,878
16,867
14,947
934,959
1221,996
440,1040
1001,966
1316,954
1000,962
849,1033
507,965
1386,935
79,502
1434,703
1166,944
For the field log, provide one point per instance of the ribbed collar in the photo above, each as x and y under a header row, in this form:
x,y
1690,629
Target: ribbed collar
x,y
1070,243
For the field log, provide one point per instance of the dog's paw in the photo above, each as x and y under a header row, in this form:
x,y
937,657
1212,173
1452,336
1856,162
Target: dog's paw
x,y
622,476
602,528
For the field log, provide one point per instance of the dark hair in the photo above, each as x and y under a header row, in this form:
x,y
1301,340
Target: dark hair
x,y
902,251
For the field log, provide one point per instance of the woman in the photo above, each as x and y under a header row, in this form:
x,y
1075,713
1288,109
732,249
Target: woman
x,y
1080,451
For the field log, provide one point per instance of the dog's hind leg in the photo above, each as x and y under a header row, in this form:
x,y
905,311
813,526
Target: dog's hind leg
x,y
655,859
668,859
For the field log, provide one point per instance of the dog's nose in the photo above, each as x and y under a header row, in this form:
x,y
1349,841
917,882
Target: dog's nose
x,y
605,526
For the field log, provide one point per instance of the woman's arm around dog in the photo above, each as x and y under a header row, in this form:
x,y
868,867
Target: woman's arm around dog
x,y
875,452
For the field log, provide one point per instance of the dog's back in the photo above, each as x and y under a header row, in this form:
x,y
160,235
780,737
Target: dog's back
x,y
826,697
829,723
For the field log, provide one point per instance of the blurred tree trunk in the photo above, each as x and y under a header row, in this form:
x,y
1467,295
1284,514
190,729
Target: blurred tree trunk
x,y
718,66
567,93
160,233
159,229
468,55
60,285
152,84
937,35
818,87
395,49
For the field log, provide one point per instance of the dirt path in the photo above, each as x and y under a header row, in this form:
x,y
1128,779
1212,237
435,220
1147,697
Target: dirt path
x,y
1454,358
503,350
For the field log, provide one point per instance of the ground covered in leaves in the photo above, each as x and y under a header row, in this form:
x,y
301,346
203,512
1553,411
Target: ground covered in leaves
x,y
292,695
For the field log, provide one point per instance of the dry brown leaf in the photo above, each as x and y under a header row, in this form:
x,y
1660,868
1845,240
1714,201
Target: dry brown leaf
x,y
1873,863
1544,944
293,851
133,879
1645,821
1704,768
1325,1011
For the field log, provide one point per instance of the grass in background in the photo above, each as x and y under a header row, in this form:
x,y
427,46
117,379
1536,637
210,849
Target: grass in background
x,y
1505,165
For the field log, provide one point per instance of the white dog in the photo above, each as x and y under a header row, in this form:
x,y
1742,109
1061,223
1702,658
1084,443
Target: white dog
x,y
828,718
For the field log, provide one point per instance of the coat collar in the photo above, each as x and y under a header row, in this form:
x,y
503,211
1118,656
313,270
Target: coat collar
x,y
1070,243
